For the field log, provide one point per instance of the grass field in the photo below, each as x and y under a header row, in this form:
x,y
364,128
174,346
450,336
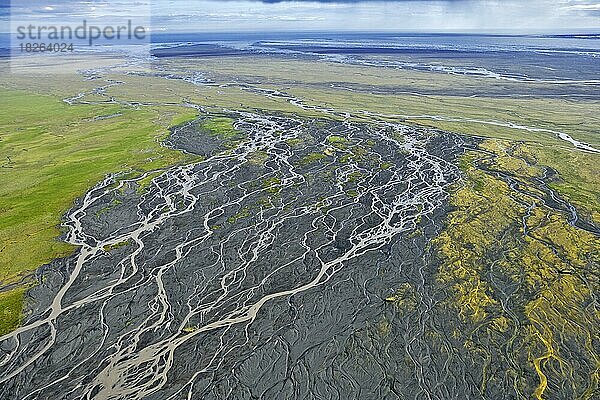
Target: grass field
x,y
50,154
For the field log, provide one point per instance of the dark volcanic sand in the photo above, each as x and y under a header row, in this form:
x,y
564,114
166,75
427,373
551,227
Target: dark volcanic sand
x,y
259,273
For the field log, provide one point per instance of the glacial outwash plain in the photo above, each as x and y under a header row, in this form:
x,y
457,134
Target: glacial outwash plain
x,y
301,221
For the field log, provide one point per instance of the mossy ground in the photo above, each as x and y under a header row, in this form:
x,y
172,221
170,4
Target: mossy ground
x,y
311,158
501,240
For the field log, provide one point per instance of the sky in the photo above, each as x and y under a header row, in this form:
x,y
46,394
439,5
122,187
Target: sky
x,y
486,16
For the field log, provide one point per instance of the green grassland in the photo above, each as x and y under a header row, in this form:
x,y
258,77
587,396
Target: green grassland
x,y
50,154
579,119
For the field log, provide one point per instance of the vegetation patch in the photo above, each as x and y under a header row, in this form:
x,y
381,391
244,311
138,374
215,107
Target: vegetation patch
x,y
405,298
311,158
144,183
258,157
222,128
338,142
500,238
243,213
110,247
294,142
272,185
11,304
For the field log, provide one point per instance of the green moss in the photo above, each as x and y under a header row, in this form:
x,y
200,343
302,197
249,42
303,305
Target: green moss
x,y
294,142
404,298
243,213
384,327
338,142
272,185
258,157
356,153
112,204
264,202
336,139
345,158
354,176
330,151
311,158
144,183
110,247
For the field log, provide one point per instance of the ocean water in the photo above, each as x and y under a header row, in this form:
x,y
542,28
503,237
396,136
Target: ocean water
x,y
557,59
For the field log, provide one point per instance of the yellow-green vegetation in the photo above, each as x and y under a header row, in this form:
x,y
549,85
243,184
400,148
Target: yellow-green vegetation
x,y
577,171
578,119
113,203
549,265
51,153
272,185
577,176
221,127
11,304
294,142
384,327
337,141
258,157
329,151
311,158
110,247
354,176
243,213
145,182
355,153
405,298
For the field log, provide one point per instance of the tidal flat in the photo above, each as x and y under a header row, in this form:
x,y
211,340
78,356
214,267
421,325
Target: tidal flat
x,y
251,226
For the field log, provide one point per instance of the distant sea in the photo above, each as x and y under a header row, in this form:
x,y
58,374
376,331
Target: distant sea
x,y
548,58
